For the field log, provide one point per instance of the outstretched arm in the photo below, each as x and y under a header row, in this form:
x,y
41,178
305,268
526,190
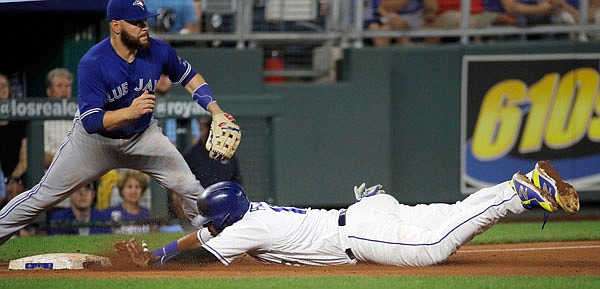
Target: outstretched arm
x,y
199,256
186,250
225,135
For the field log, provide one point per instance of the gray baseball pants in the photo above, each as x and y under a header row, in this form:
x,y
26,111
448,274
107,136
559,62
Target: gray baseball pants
x,y
83,158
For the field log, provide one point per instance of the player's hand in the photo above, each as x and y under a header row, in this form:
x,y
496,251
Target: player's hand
x,y
224,137
142,104
362,191
121,247
138,254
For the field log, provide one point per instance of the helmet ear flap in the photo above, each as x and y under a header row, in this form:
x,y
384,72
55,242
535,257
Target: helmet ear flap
x,y
224,224
223,203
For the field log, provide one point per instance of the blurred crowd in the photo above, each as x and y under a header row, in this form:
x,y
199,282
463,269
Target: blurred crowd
x,y
446,14
198,16
379,17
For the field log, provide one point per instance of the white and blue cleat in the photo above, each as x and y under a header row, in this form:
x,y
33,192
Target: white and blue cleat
x,y
532,196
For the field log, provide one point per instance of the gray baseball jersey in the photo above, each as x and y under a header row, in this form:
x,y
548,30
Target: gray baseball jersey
x,y
377,229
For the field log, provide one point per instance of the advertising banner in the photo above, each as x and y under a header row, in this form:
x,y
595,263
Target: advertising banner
x,y
517,109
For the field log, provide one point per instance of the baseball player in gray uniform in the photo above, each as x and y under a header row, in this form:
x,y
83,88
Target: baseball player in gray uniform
x,y
114,126
376,229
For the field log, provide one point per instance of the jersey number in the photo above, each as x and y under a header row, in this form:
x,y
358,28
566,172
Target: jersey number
x,y
262,206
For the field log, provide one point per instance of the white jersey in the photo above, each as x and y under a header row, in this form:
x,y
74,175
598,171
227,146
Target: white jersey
x,y
377,229
283,235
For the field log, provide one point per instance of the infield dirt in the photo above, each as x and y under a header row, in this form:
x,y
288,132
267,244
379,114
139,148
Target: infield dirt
x,y
523,259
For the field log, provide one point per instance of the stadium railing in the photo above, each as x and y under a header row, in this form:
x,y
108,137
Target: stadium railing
x,y
306,33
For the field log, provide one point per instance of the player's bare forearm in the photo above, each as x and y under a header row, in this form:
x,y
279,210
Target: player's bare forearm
x,y
189,241
196,81
141,105
115,118
214,108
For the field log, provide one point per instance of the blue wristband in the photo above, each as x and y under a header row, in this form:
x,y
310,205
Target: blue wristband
x,y
169,249
203,96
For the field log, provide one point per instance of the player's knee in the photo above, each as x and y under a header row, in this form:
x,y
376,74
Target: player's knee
x,y
191,187
440,253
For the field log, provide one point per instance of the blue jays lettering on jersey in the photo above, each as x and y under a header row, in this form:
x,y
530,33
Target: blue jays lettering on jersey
x,y
108,82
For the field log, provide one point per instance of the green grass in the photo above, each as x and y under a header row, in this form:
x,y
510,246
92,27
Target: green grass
x,y
102,244
92,244
315,282
500,233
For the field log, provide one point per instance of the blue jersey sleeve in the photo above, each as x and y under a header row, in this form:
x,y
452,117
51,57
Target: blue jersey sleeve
x,y
178,69
91,97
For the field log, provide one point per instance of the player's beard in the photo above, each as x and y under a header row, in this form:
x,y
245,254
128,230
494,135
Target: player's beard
x,y
133,42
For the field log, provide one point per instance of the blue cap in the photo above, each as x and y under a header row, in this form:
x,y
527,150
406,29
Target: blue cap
x,y
131,10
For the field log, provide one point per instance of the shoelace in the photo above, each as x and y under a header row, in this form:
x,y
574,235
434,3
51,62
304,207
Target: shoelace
x,y
546,217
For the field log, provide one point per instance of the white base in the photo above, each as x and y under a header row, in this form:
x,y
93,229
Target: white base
x,y
57,261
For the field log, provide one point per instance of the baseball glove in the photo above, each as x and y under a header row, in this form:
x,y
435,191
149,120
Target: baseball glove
x,y
224,137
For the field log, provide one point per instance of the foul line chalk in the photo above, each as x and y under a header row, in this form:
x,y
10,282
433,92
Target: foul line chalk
x,y
530,249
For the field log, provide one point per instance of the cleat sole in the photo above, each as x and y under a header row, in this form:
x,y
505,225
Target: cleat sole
x,y
566,196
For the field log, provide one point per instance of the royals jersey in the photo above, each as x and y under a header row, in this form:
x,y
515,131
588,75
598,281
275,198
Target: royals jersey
x,y
284,235
108,82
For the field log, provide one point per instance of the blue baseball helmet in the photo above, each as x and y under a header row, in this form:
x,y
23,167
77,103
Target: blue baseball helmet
x,y
223,204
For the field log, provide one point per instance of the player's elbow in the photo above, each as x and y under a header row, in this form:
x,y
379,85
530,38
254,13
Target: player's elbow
x,y
93,122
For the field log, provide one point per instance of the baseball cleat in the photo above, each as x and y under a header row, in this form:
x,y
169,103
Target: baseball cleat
x,y
531,196
547,178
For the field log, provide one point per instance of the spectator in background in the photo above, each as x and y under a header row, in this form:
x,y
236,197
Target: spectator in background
x,y
528,12
372,22
398,15
176,16
132,185
568,14
13,148
594,17
594,11
81,218
13,155
5,91
569,11
59,85
448,14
